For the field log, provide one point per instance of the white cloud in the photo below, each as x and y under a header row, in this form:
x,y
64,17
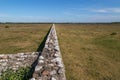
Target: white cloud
x,y
116,10
22,18
106,10
68,13
82,17
99,10
4,15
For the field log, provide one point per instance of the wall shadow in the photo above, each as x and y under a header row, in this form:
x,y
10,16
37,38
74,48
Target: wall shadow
x,y
41,46
29,74
34,64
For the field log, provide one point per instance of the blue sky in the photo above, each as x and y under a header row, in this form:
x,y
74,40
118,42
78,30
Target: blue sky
x,y
59,10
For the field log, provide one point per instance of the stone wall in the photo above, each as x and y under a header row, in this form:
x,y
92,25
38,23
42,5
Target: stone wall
x,y
14,61
50,65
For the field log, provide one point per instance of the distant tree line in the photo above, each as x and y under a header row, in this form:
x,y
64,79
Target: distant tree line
x,y
59,22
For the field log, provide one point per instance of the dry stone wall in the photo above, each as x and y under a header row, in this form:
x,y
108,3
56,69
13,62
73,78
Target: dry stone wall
x,y
50,65
14,61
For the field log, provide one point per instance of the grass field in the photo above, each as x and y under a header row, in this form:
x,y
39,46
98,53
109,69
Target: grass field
x,y
90,51
16,38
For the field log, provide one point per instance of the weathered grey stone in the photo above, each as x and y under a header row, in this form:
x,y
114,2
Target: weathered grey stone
x,y
53,78
41,61
38,68
49,49
51,64
20,54
32,79
51,41
4,64
53,72
33,53
41,57
46,46
3,56
60,71
17,63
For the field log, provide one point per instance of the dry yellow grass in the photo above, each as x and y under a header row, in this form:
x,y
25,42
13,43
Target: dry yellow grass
x,y
16,38
90,51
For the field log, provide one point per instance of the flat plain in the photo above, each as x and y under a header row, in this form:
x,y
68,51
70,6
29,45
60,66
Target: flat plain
x,y
15,38
89,51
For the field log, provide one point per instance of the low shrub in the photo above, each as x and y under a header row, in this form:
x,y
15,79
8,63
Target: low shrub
x,y
6,26
19,74
114,33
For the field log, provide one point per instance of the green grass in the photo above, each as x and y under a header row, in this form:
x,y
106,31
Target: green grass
x,y
89,51
109,42
16,38
14,75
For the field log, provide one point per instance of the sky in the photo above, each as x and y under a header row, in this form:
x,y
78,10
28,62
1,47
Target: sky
x,y
59,10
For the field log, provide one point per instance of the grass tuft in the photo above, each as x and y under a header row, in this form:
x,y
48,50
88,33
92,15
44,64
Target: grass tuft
x,y
6,26
114,33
